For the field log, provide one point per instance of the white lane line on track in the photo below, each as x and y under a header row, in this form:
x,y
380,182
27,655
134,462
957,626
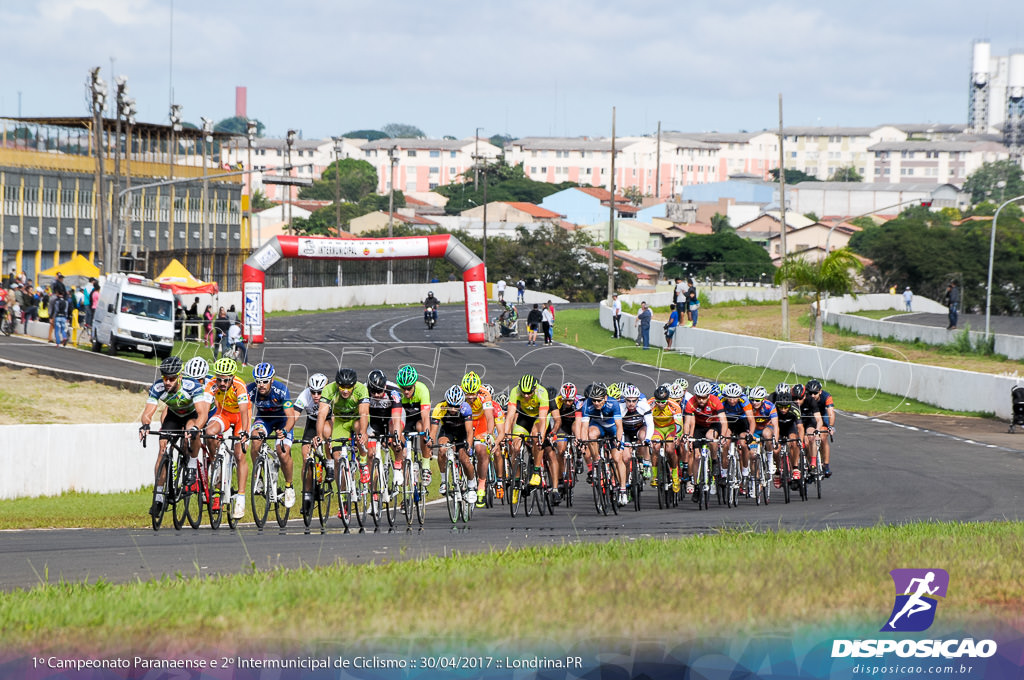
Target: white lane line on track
x,y
391,331
369,335
927,431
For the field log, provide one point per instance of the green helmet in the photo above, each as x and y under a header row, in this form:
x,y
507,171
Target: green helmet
x,y
407,376
225,366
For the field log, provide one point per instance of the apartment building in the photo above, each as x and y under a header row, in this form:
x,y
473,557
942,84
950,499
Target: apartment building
x,y
935,162
820,151
308,158
740,154
424,164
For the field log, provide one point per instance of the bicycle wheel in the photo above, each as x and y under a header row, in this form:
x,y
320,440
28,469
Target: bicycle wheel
x,y
803,474
309,471
193,500
705,488
216,515
756,479
637,481
419,498
375,494
818,474
280,511
492,480
345,493
598,488
784,473
732,483
163,471
516,486
452,492
177,490
612,487
405,492
390,492
259,489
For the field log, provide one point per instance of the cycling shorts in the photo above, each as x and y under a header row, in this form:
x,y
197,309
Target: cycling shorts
x,y
605,430
666,434
787,429
268,424
760,434
343,428
631,435
174,423
309,431
228,421
525,422
480,428
738,425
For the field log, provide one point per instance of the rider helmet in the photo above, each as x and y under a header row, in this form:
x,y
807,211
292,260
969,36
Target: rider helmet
x,y
596,391
264,371
631,392
224,366
797,392
661,393
377,381
676,391
568,391
407,376
527,384
813,386
471,383
346,378
702,389
759,393
170,366
614,391
196,368
455,396
782,388
317,382
732,391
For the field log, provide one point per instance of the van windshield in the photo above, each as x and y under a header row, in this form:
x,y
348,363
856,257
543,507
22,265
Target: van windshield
x,y
145,306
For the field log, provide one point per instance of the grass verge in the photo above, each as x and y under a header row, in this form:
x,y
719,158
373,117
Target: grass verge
x,y
848,575
580,327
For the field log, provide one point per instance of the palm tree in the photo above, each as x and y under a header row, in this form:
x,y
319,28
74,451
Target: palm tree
x,y
834,275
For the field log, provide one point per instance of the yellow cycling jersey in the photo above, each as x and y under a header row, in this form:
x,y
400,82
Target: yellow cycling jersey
x,y
480,402
667,414
531,404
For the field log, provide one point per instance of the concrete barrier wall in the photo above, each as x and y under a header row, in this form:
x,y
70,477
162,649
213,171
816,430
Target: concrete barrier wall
x,y
943,387
44,460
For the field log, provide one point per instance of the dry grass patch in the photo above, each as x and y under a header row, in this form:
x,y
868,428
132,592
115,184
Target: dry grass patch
x,y
29,397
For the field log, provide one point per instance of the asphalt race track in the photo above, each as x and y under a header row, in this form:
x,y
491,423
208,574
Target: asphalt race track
x,y
885,472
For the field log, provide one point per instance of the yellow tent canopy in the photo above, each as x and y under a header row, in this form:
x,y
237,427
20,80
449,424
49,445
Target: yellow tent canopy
x,y
77,271
178,279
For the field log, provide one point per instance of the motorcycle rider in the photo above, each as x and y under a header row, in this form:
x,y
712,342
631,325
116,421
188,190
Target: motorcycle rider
x,y
430,307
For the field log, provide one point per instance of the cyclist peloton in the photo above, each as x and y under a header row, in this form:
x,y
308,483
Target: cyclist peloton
x,y
416,408
811,418
703,418
479,399
309,402
451,422
823,401
601,417
527,417
273,411
348,401
234,413
187,409
667,417
739,414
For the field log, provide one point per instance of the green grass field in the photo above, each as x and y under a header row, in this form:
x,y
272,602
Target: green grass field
x,y
647,588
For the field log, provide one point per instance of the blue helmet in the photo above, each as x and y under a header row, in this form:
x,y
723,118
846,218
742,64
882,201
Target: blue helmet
x,y
263,371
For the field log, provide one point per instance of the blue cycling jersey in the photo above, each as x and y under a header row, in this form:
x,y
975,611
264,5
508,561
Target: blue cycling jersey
x,y
609,412
271,404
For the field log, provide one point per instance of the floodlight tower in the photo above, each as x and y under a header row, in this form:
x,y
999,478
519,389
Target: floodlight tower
x,y
1014,125
978,96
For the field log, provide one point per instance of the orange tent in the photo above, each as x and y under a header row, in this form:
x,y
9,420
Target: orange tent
x,y
180,281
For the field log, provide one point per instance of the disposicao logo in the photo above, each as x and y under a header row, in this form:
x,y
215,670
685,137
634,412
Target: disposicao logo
x,y
917,591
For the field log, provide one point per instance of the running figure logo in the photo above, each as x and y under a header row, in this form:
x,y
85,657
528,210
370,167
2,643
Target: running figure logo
x,y
916,593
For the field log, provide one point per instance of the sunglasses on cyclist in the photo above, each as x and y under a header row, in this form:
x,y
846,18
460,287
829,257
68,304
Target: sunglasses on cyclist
x,y
756,402
315,392
265,381
632,401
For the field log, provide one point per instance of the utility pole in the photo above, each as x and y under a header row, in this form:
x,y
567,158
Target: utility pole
x,y
485,221
98,92
611,219
657,167
207,138
251,128
393,159
476,159
782,229
290,141
337,182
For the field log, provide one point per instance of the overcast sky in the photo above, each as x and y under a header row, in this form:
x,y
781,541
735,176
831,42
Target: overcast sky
x,y
521,67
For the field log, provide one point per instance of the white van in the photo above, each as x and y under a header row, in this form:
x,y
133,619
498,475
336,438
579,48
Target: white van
x,y
133,313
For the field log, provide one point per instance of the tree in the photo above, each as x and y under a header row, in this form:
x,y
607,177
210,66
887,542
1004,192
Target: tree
x,y
403,131
500,140
355,178
984,182
716,255
834,275
323,221
372,202
260,201
811,216
238,125
849,174
720,223
633,195
369,135
793,176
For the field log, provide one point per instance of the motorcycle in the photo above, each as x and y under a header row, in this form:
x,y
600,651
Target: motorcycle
x,y
430,317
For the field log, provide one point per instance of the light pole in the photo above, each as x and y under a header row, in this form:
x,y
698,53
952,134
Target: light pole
x,y
337,181
290,141
172,151
251,128
98,93
393,159
121,94
207,138
126,108
991,258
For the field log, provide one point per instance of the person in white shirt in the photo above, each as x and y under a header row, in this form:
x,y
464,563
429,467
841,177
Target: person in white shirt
x,y
236,344
545,325
616,316
500,287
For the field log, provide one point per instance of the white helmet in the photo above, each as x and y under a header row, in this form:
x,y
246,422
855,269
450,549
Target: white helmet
x,y
733,391
676,391
317,382
631,392
682,382
196,368
702,389
758,393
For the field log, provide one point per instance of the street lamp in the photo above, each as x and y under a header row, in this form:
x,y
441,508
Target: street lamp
x,y
290,141
337,180
251,128
207,138
98,94
393,158
991,258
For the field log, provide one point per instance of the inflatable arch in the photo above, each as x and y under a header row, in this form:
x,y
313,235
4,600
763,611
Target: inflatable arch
x,y
398,248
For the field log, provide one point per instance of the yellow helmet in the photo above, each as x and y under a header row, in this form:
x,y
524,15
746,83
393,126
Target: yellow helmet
x,y
225,366
471,383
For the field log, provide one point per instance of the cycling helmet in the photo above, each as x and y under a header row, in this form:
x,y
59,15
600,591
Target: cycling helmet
x,y
813,386
631,392
676,391
702,389
596,391
568,390
455,396
716,389
502,400
732,391
527,384
471,383
225,366
196,368
170,366
614,391
661,393
377,381
346,377
263,371
317,382
782,388
488,388
797,392
407,376
682,382
758,394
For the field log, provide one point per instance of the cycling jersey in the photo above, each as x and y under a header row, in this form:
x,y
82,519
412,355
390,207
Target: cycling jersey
x,y
381,407
530,404
181,401
480,403
705,416
633,421
569,410
272,404
345,408
304,402
763,414
666,415
736,414
820,403
609,412
232,400
452,421
411,404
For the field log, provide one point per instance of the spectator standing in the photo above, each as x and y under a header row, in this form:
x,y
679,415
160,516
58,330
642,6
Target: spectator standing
x,y
500,287
60,310
193,311
232,314
692,302
679,295
952,300
208,326
58,287
221,326
521,290
546,321
908,297
643,321
29,306
671,325
94,299
616,316
533,322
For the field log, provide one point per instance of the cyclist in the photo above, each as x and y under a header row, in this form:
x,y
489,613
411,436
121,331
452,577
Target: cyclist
x,y
606,415
451,422
791,431
568,408
667,418
527,417
229,394
739,414
637,424
187,409
550,449
766,420
615,392
479,399
273,411
823,400
349,402
385,415
416,407
811,418
309,402
704,418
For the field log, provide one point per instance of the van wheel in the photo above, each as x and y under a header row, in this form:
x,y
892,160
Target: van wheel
x,y
112,348
96,345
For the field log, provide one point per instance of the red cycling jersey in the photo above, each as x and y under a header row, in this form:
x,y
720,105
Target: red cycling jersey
x,y
707,415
